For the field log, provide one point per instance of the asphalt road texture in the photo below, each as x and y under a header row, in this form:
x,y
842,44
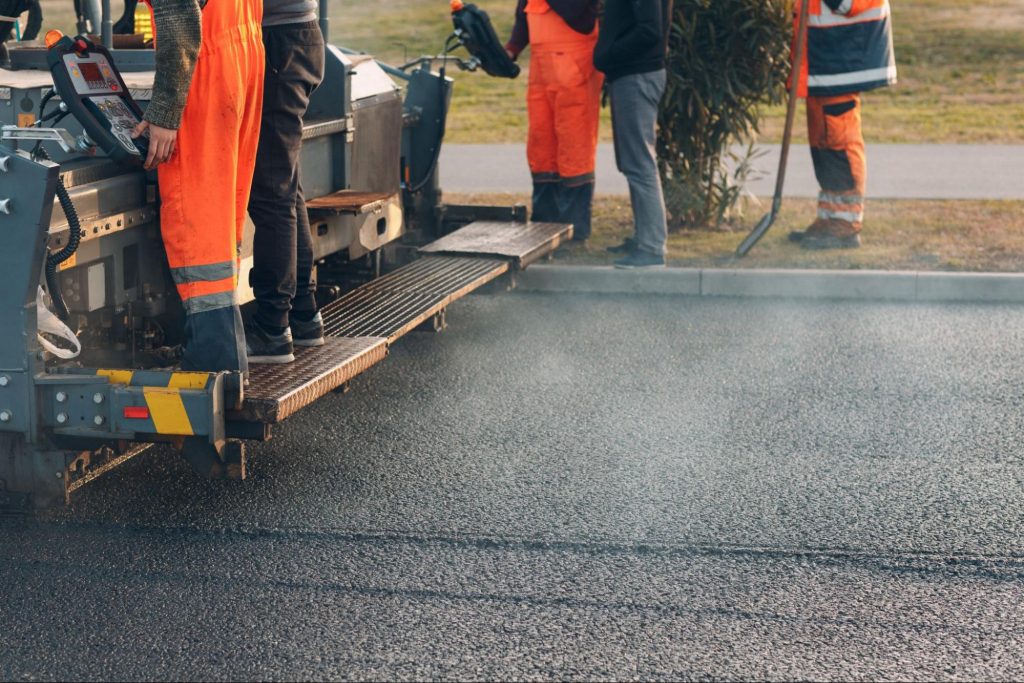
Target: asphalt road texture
x,y
576,487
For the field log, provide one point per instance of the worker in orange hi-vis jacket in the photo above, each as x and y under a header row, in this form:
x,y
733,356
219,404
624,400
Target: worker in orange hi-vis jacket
x,y
849,51
206,153
563,100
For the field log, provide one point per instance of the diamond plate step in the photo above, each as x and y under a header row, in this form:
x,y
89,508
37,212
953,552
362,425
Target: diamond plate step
x,y
348,202
523,243
392,305
276,392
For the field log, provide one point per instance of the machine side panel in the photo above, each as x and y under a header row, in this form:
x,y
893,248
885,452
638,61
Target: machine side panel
x,y
26,190
377,149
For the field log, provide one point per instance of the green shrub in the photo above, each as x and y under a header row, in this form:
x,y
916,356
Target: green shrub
x,y
727,58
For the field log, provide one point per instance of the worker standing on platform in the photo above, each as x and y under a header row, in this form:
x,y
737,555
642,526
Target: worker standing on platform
x,y
563,101
203,126
849,51
282,274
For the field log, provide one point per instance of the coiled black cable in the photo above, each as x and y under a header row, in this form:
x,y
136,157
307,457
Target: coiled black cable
x,y
443,108
53,261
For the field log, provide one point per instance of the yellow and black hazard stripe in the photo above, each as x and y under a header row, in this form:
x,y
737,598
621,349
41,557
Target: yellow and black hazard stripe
x,y
165,403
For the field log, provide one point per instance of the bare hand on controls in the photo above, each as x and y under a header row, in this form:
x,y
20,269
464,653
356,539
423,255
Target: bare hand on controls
x,y
161,142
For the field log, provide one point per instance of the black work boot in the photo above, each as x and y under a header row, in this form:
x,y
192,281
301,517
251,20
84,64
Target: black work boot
x,y
575,205
308,332
818,227
545,199
265,346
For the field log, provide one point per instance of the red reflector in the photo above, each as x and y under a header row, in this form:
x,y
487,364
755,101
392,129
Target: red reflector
x,y
136,413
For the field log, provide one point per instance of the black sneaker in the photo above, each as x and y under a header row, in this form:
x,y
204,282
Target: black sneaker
x,y
308,332
265,347
641,259
628,245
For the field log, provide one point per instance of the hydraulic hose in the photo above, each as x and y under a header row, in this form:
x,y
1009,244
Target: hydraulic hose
x,y
53,261
443,108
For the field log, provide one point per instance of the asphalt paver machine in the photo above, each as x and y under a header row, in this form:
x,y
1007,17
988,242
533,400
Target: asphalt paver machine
x,y
88,311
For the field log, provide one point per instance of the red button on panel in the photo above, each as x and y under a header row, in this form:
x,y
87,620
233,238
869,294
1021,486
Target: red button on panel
x,y
136,413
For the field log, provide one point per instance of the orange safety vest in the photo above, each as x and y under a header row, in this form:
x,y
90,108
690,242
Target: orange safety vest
x,y
849,49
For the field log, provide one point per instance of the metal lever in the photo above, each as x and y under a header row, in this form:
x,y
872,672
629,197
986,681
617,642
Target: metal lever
x,y
66,140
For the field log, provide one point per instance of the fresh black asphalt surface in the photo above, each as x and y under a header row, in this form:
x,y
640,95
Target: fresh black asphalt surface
x,y
576,487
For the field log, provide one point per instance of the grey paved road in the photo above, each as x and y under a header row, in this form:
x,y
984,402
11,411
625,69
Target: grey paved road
x,y
577,487
894,171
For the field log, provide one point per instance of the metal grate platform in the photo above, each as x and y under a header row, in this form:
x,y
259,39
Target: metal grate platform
x,y
348,202
524,243
393,305
277,391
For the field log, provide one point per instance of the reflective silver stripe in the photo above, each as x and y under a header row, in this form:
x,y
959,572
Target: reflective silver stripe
x,y
848,199
209,302
209,273
577,180
849,217
546,178
828,18
886,73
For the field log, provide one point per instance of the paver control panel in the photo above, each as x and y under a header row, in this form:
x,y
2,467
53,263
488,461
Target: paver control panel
x,y
90,85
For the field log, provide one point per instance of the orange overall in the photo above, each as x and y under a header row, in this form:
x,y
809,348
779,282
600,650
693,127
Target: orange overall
x,y
840,162
204,188
849,51
563,100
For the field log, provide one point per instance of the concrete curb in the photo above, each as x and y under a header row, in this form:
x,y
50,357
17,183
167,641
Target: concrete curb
x,y
863,285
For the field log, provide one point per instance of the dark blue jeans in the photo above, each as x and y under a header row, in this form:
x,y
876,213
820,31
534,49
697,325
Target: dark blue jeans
x,y
635,100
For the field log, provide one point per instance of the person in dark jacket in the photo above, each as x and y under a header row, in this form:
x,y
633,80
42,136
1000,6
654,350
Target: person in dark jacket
x,y
563,100
631,52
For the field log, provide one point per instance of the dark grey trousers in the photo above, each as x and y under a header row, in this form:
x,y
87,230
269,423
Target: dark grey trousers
x,y
635,100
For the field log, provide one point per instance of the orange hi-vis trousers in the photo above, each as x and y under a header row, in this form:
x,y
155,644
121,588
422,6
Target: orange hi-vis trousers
x,y
204,188
563,99
840,161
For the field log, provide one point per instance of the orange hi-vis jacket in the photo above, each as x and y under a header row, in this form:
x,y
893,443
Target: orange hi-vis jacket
x,y
849,47
563,99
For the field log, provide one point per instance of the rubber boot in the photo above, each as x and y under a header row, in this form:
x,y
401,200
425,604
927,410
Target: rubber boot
x,y
545,202
575,206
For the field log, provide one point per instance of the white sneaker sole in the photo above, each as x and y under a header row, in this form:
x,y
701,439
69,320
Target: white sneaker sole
x,y
309,342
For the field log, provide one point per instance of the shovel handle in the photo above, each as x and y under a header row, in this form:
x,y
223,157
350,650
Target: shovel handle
x,y
787,137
